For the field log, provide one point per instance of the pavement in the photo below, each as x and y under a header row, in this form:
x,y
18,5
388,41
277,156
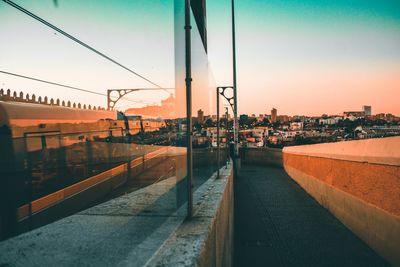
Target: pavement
x,y
278,224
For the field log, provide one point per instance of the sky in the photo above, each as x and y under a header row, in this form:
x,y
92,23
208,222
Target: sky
x,y
302,57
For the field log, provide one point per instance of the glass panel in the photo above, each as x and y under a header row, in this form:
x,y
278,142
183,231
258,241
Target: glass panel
x,y
203,104
62,151
177,124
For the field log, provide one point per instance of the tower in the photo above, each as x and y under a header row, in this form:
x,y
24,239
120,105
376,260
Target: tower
x,y
274,114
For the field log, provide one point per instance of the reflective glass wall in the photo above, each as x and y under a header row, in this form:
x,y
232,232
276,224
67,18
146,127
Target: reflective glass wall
x,y
79,126
203,92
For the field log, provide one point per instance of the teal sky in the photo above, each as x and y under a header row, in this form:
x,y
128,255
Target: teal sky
x,y
311,57
302,57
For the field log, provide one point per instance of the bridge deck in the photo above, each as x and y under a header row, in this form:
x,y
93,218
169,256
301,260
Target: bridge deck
x,y
278,224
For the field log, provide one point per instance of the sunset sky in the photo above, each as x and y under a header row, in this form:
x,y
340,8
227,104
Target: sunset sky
x,y
301,57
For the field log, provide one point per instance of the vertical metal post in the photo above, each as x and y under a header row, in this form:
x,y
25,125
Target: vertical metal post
x,y
108,99
188,81
218,135
227,137
235,121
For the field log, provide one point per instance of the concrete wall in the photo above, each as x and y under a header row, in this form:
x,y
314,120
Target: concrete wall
x,y
206,239
262,156
359,182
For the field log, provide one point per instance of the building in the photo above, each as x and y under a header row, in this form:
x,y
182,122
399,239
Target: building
x,y
200,116
367,110
166,110
329,121
296,126
390,117
274,115
356,114
283,118
299,118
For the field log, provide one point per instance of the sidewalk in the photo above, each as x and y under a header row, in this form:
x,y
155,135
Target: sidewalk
x,y
279,224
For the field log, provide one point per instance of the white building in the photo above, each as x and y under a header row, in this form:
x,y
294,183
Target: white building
x,y
329,121
294,126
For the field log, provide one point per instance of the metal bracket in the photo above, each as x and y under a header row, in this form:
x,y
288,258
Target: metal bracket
x,y
112,100
222,90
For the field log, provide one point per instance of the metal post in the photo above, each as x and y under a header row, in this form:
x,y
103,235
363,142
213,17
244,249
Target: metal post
x,y
108,99
236,159
235,122
188,81
218,135
227,137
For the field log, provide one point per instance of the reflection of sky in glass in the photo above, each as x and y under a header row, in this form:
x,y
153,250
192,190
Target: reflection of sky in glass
x,y
136,33
307,57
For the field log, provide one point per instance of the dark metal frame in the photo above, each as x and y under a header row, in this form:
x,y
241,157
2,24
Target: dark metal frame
x,y
227,137
189,130
235,115
231,100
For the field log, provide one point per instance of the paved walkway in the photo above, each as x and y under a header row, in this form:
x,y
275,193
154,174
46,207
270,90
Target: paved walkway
x,y
279,224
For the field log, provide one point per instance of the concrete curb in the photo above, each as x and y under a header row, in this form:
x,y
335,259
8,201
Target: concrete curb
x,y
207,238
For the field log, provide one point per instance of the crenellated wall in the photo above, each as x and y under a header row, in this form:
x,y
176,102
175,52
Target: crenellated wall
x,y
8,95
358,182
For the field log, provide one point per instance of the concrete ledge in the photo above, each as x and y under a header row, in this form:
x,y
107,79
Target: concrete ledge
x,y
378,150
206,239
364,195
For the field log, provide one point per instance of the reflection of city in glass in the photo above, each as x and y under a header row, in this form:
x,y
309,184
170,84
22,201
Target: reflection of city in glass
x,y
55,155
60,156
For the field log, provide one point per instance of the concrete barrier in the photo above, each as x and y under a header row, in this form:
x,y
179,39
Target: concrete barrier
x,y
261,156
359,182
206,239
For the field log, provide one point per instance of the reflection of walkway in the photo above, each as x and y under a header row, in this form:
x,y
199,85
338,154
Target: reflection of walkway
x,y
278,224
125,231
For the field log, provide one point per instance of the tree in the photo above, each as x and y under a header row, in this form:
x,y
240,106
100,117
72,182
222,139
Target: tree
x,y
243,120
209,123
251,122
265,122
